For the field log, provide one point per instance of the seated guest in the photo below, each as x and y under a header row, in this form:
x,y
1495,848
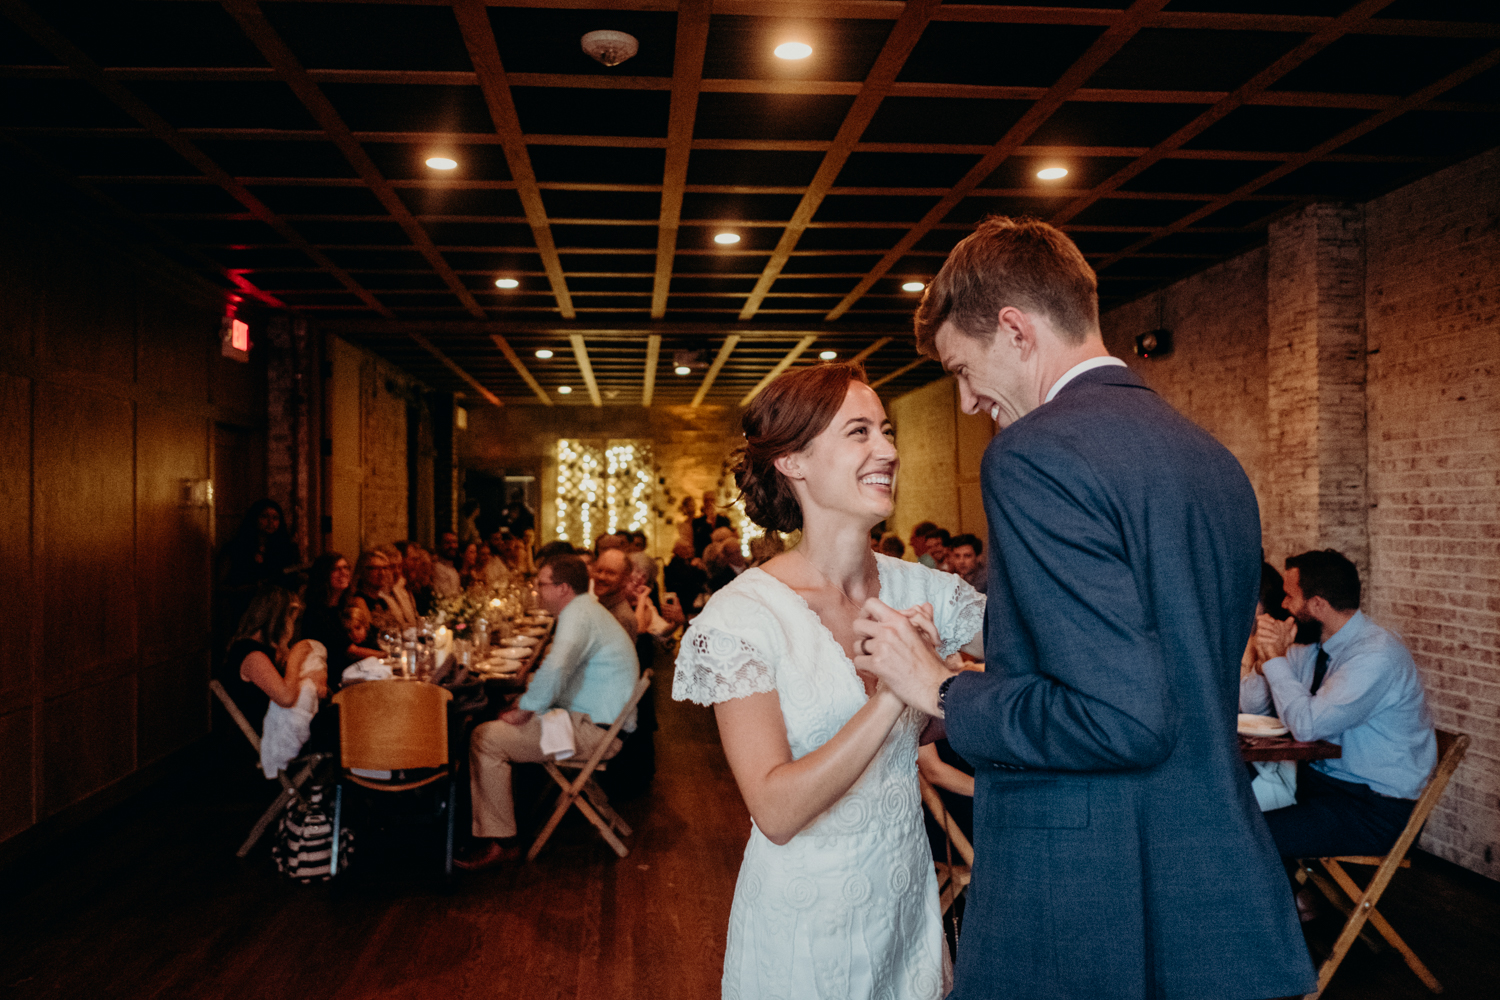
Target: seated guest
x,y
1355,685
444,571
371,574
653,616
637,541
328,582
470,569
1275,781
893,546
553,549
400,599
686,578
724,560
964,553
590,672
706,523
611,574
953,778
417,570
919,543
496,573
937,549
518,558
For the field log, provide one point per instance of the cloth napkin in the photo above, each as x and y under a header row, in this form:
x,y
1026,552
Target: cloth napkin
x,y
557,734
371,668
1274,784
285,730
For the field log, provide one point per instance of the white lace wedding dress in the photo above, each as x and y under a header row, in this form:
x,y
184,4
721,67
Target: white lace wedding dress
x,y
849,907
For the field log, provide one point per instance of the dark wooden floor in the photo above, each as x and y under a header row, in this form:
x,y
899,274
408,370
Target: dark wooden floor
x,y
155,904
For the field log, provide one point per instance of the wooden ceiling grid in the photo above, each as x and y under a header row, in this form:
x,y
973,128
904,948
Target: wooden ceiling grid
x,y
276,148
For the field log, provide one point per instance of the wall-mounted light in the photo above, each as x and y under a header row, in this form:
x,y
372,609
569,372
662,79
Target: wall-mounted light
x,y
442,163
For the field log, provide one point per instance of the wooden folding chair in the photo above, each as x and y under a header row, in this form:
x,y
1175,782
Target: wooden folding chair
x,y
393,725
1360,903
291,787
952,878
584,792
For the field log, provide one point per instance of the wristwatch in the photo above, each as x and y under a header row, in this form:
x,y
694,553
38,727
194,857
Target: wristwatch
x,y
943,696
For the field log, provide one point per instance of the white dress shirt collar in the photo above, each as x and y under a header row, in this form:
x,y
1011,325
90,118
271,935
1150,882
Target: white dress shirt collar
x,y
1078,370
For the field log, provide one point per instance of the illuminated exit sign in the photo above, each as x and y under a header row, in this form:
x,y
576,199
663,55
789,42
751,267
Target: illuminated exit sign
x,y
234,336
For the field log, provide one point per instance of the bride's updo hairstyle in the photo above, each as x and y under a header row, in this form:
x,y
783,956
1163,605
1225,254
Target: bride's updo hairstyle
x,y
795,408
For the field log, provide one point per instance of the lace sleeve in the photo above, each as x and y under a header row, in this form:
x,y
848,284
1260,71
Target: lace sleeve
x,y
714,666
959,613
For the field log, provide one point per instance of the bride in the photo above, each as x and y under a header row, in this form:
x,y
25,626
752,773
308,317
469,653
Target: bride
x,y
836,895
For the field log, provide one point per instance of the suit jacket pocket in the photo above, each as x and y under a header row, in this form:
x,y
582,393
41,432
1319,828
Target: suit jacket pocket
x,y
1048,805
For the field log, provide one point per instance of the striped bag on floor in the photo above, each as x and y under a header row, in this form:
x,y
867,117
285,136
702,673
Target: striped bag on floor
x,y
304,839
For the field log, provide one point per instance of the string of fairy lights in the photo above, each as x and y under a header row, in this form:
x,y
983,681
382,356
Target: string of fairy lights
x,y
609,487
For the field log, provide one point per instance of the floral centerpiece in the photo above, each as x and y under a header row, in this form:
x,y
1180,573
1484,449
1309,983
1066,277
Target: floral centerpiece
x,y
460,612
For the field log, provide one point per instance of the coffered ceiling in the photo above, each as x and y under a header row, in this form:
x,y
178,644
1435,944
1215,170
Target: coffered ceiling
x,y
279,148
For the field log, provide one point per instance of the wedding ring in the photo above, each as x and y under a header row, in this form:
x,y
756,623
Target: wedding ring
x,y
864,646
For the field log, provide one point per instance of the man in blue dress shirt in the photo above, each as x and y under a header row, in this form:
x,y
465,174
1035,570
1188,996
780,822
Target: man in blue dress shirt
x,y
590,670
1356,686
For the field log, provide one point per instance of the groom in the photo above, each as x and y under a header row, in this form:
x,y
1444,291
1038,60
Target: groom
x,y
1119,851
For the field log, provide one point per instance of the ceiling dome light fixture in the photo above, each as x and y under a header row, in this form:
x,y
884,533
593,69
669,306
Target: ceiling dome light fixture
x,y
913,286
544,354
793,50
727,238
507,283
1052,173
610,47
683,370
565,389
442,163
828,355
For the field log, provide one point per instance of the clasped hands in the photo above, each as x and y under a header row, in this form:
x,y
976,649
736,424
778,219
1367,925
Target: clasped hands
x,y
1272,638
900,649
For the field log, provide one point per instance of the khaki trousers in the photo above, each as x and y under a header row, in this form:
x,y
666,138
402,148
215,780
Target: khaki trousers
x,y
494,746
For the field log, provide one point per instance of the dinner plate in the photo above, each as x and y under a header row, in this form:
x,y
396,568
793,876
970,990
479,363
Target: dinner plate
x,y
518,641
534,631
511,653
1261,725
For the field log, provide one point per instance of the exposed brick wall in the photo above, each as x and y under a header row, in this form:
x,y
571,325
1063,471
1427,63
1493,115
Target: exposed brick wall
x,y
1433,311
1315,496
941,449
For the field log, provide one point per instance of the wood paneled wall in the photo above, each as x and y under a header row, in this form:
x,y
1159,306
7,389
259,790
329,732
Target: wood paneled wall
x,y
111,385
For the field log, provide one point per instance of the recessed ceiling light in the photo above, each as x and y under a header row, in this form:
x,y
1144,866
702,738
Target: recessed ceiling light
x,y
544,354
565,389
727,238
1052,173
793,50
507,283
913,286
828,355
441,163
683,370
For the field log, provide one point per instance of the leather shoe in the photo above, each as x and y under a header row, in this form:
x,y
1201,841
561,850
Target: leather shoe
x,y
492,854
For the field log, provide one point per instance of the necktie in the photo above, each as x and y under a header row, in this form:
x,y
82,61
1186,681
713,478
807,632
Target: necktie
x,y
1320,669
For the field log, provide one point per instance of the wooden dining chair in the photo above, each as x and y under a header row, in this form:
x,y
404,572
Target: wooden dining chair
x,y
291,785
1359,904
394,725
953,877
584,792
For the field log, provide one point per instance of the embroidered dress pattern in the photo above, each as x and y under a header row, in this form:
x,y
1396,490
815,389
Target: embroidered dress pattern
x,y
849,907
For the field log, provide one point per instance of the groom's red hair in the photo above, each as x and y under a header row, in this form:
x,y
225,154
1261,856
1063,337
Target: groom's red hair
x,y
795,408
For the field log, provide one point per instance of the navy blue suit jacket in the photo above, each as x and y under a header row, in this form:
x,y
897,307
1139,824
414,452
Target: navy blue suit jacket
x,y
1119,851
